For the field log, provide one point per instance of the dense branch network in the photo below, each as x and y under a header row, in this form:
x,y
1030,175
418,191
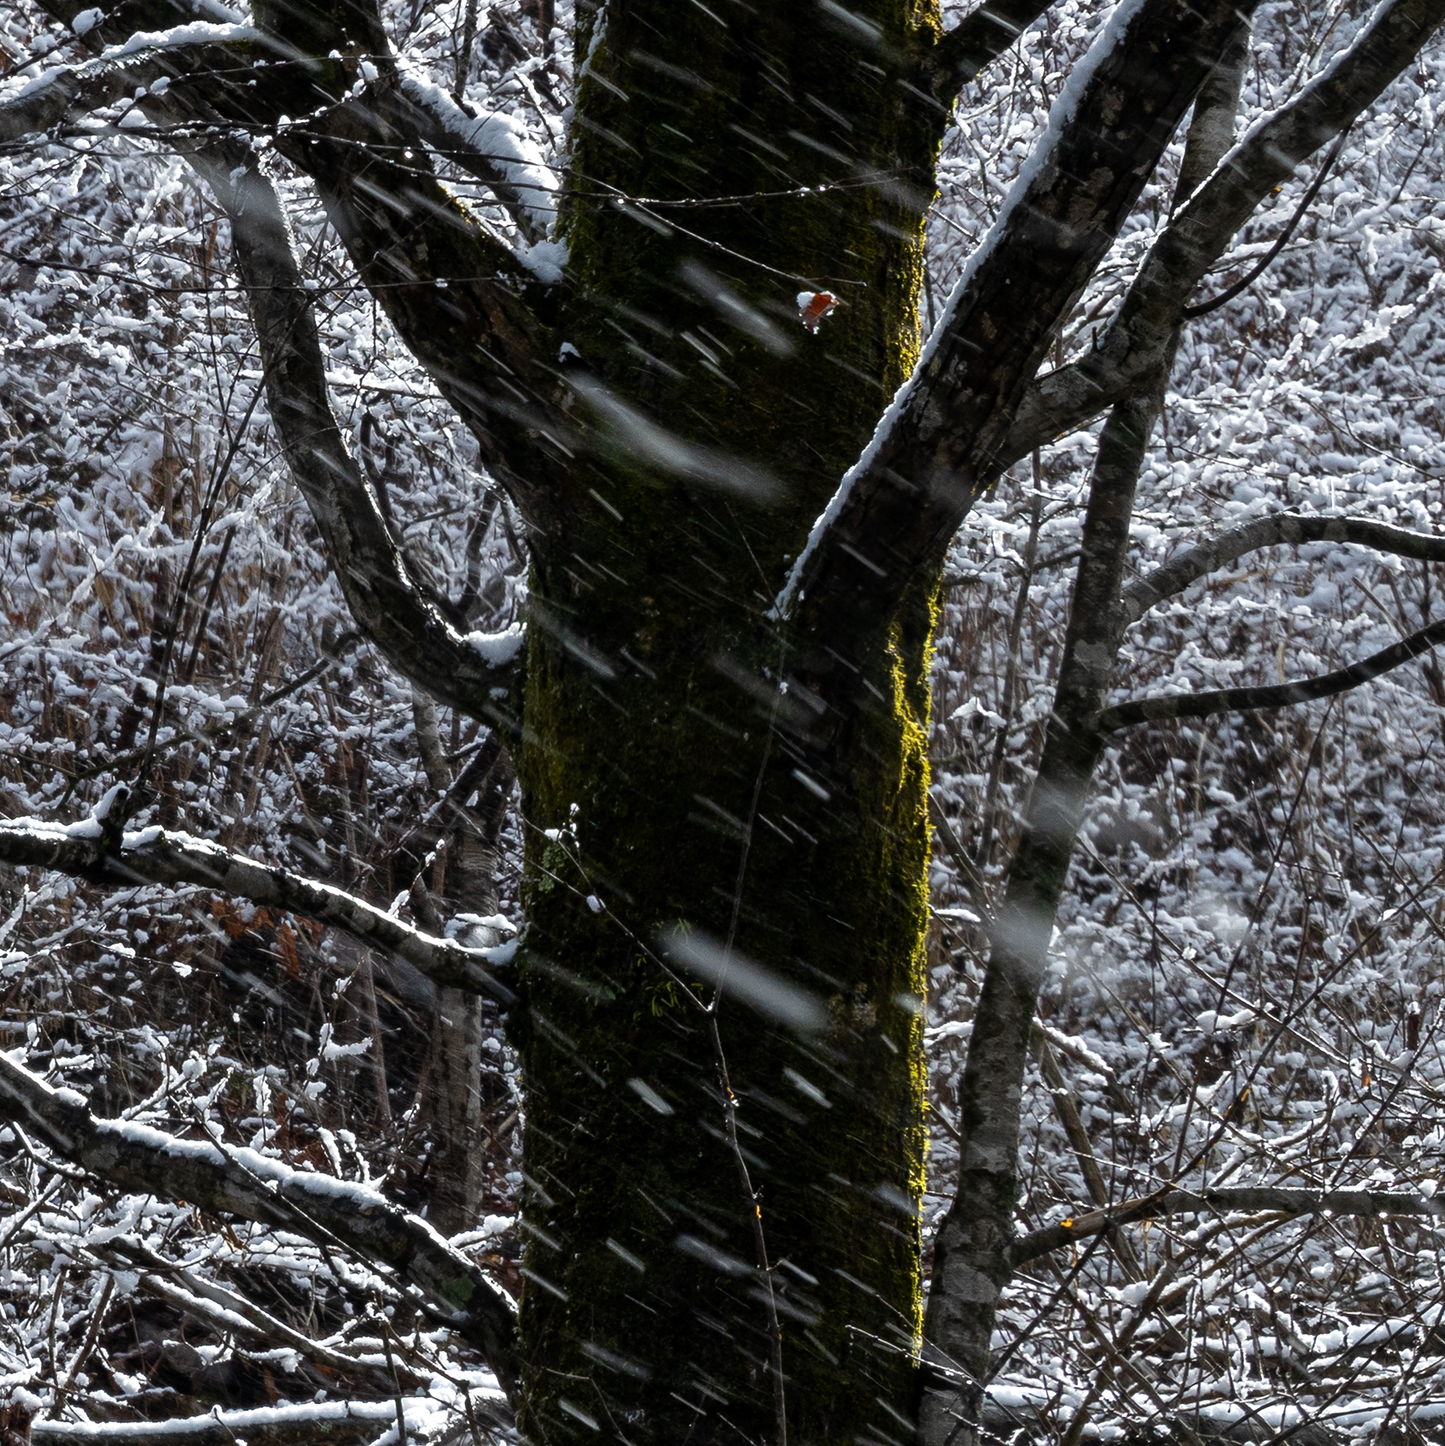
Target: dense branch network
x,y
243,1183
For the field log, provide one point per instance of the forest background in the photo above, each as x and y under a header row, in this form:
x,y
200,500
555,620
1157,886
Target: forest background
x,y
1244,978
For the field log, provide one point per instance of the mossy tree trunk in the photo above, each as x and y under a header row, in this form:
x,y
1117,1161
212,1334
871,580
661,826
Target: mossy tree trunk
x,y
668,780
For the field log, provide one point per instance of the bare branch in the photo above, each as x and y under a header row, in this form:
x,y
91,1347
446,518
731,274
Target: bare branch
x,y
1280,695
468,671
251,1186
454,292
154,856
1277,528
1245,1197
1272,530
1196,238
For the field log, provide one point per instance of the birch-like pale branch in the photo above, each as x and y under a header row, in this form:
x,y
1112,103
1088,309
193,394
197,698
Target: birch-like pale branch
x,y
1272,530
1196,238
156,856
334,1213
1254,1198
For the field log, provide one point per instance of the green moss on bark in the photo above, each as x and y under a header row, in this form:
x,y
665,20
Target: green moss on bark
x,y
656,741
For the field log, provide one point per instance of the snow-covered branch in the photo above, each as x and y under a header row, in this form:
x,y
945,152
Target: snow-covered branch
x,y
335,1423
1247,1197
241,1182
1279,695
155,856
1195,240
493,148
935,449
469,671
1276,528
61,97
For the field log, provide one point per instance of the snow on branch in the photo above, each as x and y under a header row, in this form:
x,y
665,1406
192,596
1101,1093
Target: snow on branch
x,y
471,672
1195,239
1279,695
335,1423
244,1183
937,446
493,148
1272,530
156,856
62,96
1253,1198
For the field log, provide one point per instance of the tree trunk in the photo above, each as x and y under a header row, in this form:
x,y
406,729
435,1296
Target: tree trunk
x,y
667,780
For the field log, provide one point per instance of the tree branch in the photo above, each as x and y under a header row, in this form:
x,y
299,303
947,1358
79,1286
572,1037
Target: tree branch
x,y
70,94
1195,239
980,37
335,1423
1281,695
1245,1197
470,671
493,148
939,444
1276,528
155,856
453,292
141,1160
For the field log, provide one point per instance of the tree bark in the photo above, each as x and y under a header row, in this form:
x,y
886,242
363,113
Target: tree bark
x,y
670,782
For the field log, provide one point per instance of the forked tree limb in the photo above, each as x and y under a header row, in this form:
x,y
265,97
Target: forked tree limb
x,y
471,672
155,856
335,1213
454,291
1254,1198
934,453
1196,238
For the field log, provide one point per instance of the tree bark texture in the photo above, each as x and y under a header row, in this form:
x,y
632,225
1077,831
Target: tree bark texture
x,y
668,779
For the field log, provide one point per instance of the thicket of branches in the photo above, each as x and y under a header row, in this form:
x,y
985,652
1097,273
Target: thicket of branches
x,y
1245,987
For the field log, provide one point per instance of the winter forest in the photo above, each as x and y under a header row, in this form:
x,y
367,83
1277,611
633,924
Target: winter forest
x,y
718,722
